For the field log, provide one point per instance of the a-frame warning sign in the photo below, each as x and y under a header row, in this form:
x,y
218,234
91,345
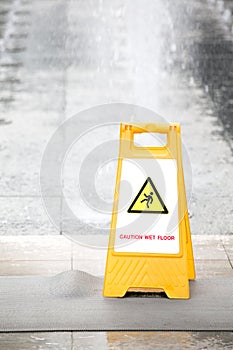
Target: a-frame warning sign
x,y
149,253
148,200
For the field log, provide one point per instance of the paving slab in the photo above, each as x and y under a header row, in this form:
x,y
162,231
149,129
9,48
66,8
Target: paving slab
x,y
153,340
209,251
43,341
33,268
37,247
213,268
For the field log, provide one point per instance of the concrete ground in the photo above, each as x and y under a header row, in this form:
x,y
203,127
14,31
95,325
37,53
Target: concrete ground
x,y
48,255
59,57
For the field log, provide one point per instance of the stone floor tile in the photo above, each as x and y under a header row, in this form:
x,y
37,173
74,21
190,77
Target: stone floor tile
x,y
206,239
229,250
213,268
209,251
90,340
227,240
36,341
152,340
31,268
46,247
87,252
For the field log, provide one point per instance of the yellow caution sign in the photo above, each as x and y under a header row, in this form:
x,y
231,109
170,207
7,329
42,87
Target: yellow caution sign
x,y
149,252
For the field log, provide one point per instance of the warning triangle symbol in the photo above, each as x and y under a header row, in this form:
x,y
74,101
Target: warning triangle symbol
x,y
148,200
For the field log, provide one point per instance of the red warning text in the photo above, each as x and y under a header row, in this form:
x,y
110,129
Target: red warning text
x,y
131,237
166,238
148,237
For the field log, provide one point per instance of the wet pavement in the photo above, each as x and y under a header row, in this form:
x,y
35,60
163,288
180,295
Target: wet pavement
x,y
118,340
33,255
59,57
209,53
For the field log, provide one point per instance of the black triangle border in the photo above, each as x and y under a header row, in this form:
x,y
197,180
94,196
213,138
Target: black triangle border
x,y
165,211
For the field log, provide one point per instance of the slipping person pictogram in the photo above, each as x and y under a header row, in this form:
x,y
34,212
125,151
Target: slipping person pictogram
x,y
148,199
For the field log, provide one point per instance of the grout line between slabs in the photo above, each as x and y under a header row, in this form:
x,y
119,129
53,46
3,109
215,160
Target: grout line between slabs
x,y
229,260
